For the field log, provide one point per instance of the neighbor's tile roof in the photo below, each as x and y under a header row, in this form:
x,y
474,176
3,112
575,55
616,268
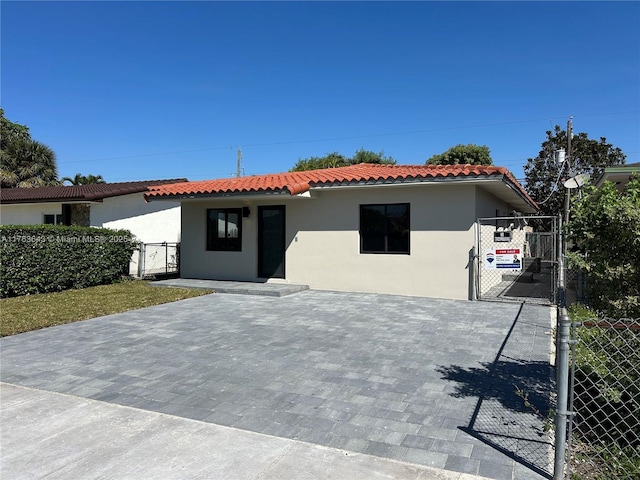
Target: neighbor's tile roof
x,y
88,193
299,182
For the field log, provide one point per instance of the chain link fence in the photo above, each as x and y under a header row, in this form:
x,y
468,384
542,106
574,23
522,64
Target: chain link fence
x,y
604,436
158,259
517,259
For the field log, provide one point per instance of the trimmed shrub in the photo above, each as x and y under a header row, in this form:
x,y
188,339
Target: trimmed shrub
x,y
51,258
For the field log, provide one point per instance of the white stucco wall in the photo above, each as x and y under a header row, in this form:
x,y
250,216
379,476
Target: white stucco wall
x,y
152,222
323,244
149,222
28,214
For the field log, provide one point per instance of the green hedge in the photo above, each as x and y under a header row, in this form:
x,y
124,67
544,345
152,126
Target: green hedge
x,y
51,258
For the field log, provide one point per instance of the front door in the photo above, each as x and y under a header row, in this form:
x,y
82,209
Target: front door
x,y
271,241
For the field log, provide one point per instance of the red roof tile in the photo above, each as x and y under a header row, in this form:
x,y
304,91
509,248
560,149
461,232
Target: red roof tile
x,y
88,193
299,182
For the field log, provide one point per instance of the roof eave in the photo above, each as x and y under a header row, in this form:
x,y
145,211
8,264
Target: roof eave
x,y
617,175
221,195
516,196
50,200
527,205
522,203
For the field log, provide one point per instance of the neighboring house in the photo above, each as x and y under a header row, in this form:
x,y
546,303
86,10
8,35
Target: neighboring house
x,y
370,228
619,174
108,205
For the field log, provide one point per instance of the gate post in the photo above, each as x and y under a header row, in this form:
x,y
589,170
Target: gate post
x,y
473,267
477,259
562,377
562,414
141,256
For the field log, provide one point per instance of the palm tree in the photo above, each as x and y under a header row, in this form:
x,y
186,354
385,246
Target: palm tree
x,y
79,179
93,179
24,162
28,163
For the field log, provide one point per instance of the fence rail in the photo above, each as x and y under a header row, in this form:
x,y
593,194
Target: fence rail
x,y
158,259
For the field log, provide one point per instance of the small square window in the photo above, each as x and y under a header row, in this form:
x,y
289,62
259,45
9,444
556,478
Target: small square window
x,y
224,229
384,228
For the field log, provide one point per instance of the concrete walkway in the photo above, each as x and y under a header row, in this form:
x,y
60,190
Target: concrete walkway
x,y
417,380
240,288
50,435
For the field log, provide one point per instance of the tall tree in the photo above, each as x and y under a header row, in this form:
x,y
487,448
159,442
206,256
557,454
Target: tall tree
x,y
24,162
463,154
367,156
545,176
605,227
335,159
80,179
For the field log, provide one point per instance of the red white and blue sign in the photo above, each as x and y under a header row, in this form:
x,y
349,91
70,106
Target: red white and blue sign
x,y
503,258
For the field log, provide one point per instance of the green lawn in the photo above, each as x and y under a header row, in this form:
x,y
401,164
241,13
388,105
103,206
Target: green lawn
x,y
32,312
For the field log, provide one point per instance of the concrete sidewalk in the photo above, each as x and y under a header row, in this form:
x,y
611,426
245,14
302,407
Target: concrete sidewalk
x,y
52,435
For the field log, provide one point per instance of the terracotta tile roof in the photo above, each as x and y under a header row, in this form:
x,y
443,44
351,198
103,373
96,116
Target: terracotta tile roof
x,y
72,193
299,182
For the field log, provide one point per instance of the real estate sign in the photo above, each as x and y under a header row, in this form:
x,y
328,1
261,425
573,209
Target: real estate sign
x,y
500,258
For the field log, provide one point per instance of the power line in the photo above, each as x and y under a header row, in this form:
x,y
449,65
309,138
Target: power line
x,y
354,137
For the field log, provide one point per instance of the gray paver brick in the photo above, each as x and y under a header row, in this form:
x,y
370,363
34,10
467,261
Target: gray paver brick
x,y
496,471
438,432
452,448
488,454
416,441
426,457
462,464
362,372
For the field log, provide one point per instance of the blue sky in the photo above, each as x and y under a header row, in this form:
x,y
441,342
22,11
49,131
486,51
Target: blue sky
x,y
150,90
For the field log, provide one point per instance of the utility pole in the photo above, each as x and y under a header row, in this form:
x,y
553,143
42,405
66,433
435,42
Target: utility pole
x,y
570,171
239,162
569,136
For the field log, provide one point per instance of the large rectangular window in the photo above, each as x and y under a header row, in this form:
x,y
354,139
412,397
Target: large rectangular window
x,y
384,228
224,229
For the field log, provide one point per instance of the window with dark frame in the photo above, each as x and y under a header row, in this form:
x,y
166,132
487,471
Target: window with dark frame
x,y
384,228
53,219
224,229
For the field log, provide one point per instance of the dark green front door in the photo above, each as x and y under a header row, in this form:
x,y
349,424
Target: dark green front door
x,y
271,241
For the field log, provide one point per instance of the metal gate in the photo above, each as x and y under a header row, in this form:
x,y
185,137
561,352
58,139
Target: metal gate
x,y
158,259
517,259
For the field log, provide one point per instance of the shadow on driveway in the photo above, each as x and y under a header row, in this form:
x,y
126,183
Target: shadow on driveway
x,y
513,410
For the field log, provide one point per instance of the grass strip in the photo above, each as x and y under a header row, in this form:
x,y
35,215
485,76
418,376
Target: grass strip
x,y
32,312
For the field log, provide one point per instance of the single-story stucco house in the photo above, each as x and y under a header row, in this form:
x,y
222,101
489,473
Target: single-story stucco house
x,y
108,205
618,174
401,229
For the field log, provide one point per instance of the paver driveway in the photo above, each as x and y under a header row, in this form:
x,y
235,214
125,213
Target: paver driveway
x,y
420,380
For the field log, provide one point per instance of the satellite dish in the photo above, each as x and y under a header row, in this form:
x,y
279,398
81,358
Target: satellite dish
x,y
577,181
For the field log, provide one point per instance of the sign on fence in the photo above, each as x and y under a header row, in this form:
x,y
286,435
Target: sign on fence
x,y
510,258
516,258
